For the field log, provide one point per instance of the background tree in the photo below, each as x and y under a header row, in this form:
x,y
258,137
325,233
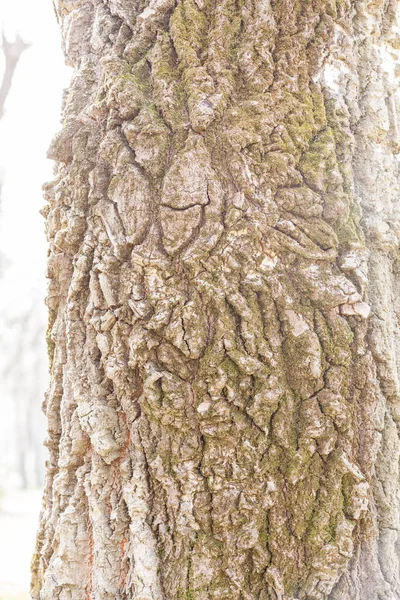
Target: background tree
x,y
21,370
12,52
224,402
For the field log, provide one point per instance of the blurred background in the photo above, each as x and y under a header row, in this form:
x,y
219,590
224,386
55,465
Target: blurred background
x,y
32,77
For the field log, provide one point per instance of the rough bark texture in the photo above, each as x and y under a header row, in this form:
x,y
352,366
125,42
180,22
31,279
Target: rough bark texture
x,y
224,401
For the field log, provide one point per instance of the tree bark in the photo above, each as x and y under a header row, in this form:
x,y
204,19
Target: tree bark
x,y
224,407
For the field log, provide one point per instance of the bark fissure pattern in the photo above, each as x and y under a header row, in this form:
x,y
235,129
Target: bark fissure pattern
x,y
224,401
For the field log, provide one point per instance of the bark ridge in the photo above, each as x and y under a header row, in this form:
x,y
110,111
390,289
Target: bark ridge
x,y
224,400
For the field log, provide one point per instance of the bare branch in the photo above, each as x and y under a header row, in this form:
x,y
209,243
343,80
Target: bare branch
x,y
12,53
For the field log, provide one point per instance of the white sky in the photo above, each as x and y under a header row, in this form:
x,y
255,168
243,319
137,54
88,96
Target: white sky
x,y
32,117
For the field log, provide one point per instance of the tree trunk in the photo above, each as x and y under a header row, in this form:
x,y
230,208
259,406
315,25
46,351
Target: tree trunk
x,y
224,401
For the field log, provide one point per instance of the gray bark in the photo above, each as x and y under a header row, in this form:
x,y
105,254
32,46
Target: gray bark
x,y
224,400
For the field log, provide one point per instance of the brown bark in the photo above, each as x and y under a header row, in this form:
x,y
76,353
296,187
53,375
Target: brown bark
x,y
224,402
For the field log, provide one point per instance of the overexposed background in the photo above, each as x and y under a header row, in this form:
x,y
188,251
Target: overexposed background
x,y
31,118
